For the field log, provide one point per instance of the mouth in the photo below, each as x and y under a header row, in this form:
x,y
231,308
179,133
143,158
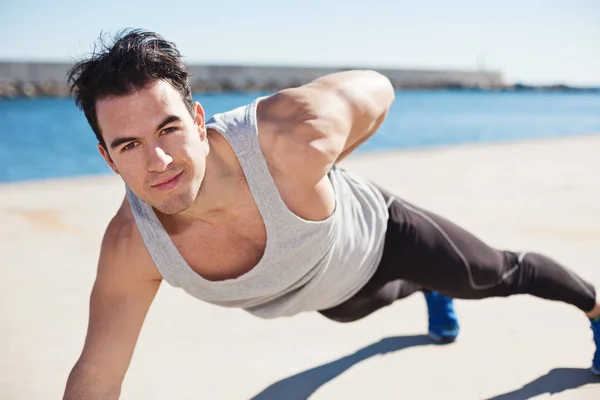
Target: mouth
x,y
168,184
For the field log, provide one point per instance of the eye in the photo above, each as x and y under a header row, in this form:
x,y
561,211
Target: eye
x,y
168,130
129,146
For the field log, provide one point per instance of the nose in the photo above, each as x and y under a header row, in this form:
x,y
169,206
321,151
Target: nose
x,y
157,159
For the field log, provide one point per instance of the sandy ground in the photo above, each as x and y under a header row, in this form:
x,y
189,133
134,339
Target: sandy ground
x,y
539,195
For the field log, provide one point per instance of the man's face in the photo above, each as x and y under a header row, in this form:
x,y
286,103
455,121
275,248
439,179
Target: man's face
x,y
155,145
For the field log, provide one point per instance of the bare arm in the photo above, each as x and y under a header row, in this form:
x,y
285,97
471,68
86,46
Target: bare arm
x,y
122,294
365,98
318,124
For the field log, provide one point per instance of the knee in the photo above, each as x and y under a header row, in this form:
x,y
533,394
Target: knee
x,y
511,278
346,313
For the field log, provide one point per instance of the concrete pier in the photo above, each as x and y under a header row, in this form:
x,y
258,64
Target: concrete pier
x,y
42,79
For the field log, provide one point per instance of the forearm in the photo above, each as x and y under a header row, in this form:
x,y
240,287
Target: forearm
x,y
350,149
360,107
361,139
83,384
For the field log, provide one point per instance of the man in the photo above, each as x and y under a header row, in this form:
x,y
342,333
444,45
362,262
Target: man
x,y
250,210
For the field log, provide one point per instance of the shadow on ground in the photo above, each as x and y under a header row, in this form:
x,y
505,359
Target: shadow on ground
x,y
301,386
555,381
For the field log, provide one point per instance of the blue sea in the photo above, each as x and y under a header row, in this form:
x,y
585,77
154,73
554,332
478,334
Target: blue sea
x,y
48,138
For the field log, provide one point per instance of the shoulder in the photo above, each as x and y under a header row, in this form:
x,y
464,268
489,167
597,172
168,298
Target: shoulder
x,y
123,251
295,127
305,130
303,107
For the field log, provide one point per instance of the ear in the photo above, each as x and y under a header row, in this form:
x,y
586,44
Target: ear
x,y
199,120
106,156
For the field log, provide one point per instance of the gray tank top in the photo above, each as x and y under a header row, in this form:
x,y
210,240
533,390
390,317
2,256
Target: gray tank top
x,y
306,265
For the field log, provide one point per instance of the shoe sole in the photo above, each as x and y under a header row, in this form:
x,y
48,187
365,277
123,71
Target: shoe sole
x,y
442,339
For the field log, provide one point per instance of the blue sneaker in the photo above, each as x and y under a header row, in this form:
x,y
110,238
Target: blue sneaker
x,y
596,361
443,324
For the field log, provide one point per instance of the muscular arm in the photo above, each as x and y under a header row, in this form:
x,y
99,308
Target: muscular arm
x,y
364,99
124,289
318,124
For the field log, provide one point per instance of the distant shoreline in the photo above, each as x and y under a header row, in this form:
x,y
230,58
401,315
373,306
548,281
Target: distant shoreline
x,y
48,79
39,79
21,90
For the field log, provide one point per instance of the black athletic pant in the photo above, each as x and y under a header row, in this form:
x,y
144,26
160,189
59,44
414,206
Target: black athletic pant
x,y
424,251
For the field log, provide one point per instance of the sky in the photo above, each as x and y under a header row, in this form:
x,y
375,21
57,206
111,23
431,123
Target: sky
x,y
528,41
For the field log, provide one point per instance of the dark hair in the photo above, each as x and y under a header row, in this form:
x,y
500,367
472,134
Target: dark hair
x,y
134,60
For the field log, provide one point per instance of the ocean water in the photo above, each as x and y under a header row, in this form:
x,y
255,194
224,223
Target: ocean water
x,y
48,138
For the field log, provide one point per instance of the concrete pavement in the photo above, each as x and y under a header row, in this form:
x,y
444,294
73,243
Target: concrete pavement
x,y
537,195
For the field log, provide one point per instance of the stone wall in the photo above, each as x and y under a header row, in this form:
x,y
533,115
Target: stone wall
x,y
49,79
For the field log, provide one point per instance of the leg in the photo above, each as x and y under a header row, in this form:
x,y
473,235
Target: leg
x,y
377,293
437,254
425,251
434,253
382,291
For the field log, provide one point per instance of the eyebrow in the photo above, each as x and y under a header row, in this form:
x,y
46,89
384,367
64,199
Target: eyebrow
x,y
168,120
